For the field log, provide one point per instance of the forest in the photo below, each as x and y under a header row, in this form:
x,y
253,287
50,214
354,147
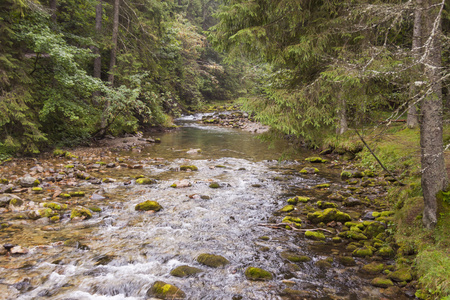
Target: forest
x,y
330,75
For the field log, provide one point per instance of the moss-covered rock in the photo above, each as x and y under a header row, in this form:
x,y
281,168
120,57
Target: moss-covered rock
x,y
353,235
46,213
296,222
148,205
316,160
212,260
381,282
59,153
322,186
257,274
363,252
386,252
347,261
373,229
145,181
55,206
95,209
373,268
298,199
214,185
324,263
37,190
164,290
287,208
401,275
185,271
314,235
328,215
81,212
309,171
192,168
294,257
324,204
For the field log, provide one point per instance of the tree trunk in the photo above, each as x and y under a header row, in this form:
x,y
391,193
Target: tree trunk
x,y
343,125
434,175
53,10
412,119
115,34
96,50
112,62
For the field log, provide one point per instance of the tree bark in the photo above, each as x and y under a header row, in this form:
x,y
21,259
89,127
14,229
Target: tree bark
x,y
53,10
434,175
112,62
96,50
115,34
343,125
412,120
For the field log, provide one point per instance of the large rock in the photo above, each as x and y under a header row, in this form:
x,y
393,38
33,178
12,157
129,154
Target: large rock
x,y
164,290
328,215
257,274
28,181
185,271
148,205
212,260
5,199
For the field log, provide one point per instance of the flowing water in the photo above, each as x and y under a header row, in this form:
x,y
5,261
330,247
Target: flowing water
x,y
120,252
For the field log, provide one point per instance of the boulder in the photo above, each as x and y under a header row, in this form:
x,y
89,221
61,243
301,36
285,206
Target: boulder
x,y
164,290
212,260
28,181
257,274
148,205
185,271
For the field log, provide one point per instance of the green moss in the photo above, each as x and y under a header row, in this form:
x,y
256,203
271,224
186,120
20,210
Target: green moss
x,y
69,166
59,152
401,275
148,205
53,205
145,181
381,282
192,168
347,261
294,257
328,215
54,219
322,186
287,208
297,222
46,213
386,251
346,174
373,268
16,202
363,252
164,290
386,213
316,160
214,185
174,185
212,260
81,212
185,271
309,171
264,238
336,239
323,263
323,204
258,274
64,195
298,199
37,189
353,235
314,235
95,208
77,194
4,181
357,224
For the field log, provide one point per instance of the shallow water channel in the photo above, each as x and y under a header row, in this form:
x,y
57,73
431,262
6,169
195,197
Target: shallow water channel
x,y
120,252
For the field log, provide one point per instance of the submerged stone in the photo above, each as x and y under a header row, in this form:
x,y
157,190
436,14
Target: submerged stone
x,y
309,170
257,274
212,260
294,257
214,185
192,168
185,271
164,290
148,205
